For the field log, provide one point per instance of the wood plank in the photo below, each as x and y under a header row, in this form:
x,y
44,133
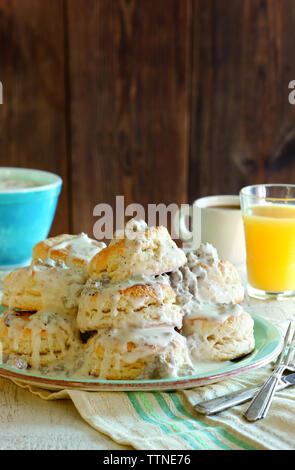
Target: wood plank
x,y
129,68
32,116
242,128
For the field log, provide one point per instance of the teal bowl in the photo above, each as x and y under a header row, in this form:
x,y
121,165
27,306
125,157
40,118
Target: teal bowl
x,y
28,200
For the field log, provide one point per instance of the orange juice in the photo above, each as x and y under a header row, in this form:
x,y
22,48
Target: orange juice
x,y
270,246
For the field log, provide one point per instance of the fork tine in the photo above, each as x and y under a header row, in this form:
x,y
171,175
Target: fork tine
x,y
286,339
291,350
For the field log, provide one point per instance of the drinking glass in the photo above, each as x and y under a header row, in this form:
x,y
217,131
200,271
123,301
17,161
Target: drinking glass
x,y
268,212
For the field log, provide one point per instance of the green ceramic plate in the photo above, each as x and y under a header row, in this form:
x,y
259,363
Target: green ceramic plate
x,y
268,341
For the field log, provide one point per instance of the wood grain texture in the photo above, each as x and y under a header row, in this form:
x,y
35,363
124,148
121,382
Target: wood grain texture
x,y
32,116
242,123
159,100
129,102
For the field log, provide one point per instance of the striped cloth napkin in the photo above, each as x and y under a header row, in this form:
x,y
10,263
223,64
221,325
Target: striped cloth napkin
x,y
167,421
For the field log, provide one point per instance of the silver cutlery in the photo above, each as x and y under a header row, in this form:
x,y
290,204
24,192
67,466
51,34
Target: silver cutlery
x,y
261,402
216,405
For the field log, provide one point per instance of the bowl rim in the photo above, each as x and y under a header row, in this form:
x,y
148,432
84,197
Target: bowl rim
x,y
43,187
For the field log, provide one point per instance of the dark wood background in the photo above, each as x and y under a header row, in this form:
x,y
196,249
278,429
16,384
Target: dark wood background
x,y
156,100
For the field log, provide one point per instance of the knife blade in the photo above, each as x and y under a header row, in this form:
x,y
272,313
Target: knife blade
x,y
216,405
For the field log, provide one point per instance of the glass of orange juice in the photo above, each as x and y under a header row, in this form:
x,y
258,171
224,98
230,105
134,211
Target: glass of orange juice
x,y
269,222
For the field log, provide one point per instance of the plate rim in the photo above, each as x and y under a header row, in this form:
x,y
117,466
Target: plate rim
x,y
57,383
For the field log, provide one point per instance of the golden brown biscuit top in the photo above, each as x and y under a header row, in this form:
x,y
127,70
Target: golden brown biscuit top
x,y
148,252
75,251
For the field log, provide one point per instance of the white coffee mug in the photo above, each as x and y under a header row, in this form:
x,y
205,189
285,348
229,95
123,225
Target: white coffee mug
x,y
215,221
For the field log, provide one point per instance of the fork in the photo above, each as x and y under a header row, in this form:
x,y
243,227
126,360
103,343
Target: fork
x,y
261,402
224,402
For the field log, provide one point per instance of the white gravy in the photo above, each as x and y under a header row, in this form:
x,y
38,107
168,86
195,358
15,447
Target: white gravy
x,y
10,184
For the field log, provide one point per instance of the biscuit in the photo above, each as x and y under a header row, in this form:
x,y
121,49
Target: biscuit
x,y
210,339
142,253
127,305
37,339
206,278
44,287
74,250
137,353
222,283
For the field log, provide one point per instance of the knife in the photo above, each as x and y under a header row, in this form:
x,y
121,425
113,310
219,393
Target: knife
x,y
216,405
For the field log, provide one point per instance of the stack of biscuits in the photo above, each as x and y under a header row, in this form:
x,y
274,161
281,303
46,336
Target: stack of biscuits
x,y
130,307
140,308
39,327
210,292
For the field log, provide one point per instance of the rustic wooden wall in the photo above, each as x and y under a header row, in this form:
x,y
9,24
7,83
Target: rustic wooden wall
x,y
129,95
158,100
242,124
32,70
